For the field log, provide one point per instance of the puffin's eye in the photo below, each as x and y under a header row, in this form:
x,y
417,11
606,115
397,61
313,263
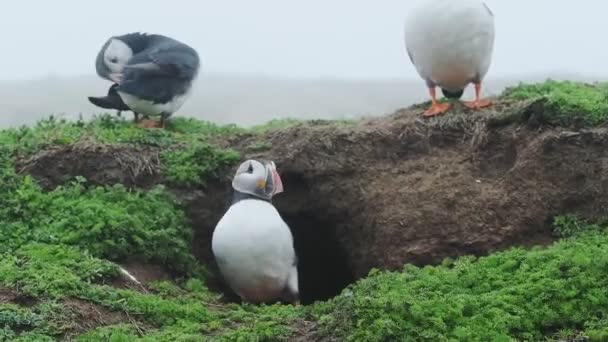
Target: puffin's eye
x,y
114,60
250,169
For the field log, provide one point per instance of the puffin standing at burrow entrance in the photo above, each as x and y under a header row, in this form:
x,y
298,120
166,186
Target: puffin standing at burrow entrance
x,y
252,245
152,74
450,42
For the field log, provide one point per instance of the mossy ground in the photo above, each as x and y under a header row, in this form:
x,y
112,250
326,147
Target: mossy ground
x,y
66,244
568,102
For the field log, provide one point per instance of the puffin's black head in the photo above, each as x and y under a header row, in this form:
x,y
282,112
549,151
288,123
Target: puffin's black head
x,y
453,95
258,178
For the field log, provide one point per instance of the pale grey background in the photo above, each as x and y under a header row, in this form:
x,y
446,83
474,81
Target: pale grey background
x,y
269,58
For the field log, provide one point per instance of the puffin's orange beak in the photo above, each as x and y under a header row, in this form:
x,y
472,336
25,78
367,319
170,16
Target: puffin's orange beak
x,y
261,184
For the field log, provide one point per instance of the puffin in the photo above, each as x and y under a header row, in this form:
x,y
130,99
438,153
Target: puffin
x,y
152,75
450,43
252,245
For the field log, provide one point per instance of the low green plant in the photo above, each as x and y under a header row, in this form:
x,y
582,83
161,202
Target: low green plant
x,y
518,294
571,225
36,323
52,270
192,165
109,222
189,155
568,101
201,129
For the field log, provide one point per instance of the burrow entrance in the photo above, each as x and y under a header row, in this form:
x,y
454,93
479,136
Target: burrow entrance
x,y
323,269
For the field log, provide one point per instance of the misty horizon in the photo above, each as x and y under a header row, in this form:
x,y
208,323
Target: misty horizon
x,y
244,99
270,59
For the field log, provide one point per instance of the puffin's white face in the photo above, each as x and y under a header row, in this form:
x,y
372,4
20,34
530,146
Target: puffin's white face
x,y
116,56
260,180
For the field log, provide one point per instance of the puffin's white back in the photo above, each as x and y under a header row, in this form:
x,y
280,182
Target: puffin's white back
x,y
450,42
254,250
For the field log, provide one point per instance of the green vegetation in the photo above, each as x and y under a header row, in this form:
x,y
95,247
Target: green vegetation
x,y
517,294
572,225
568,102
108,222
189,155
193,164
52,274
64,246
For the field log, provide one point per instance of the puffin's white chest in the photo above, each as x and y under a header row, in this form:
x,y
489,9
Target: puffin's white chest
x,y
451,41
153,109
254,250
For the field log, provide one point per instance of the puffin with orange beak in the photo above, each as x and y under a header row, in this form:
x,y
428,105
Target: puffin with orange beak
x,y
252,245
450,42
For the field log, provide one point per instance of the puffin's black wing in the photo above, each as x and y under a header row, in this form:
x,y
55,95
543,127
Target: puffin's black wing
x,y
170,60
160,73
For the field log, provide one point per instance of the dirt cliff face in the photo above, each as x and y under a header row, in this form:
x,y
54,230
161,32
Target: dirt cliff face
x,y
384,192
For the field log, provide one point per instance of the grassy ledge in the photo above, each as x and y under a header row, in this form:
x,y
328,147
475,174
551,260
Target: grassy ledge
x,y
188,157
568,102
514,295
60,252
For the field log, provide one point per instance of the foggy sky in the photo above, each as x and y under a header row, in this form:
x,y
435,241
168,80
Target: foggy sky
x,y
297,39
269,59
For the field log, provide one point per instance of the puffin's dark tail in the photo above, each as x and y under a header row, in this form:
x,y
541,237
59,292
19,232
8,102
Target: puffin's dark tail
x,y
111,101
452,95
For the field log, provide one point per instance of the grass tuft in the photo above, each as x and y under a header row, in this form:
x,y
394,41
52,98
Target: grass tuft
x,y
568,102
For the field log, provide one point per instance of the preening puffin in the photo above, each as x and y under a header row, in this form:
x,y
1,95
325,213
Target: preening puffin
x,y
152,74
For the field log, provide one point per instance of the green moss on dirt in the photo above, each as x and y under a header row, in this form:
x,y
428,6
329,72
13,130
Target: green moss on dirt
x,y
189,156
518,294
67,244
568,102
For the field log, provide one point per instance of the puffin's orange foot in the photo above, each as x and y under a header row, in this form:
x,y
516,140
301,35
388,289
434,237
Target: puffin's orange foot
x,y
477,104
436,109
149,124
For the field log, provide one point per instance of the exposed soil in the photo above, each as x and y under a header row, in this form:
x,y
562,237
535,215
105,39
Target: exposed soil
x,y
130,165
144,274
398,189
85,315
88,316
12,297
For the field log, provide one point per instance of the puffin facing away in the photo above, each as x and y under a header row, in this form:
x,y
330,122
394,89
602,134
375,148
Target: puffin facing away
x,y
252,244
152,74
450,42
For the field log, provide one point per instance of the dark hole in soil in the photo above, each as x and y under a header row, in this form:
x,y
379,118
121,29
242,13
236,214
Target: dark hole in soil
x,y
323,270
